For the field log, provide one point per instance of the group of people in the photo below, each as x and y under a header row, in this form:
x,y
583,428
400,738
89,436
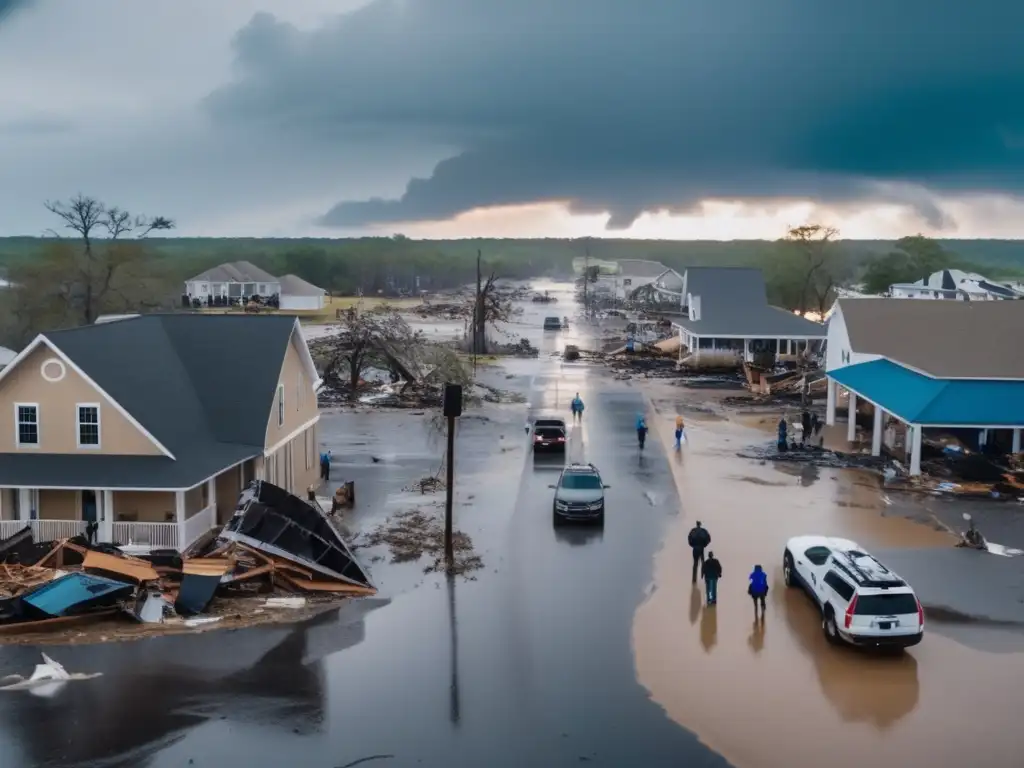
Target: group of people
x,y
711,571
810,430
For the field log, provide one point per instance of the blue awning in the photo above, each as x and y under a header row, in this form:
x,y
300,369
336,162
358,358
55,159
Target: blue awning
x,y
920,399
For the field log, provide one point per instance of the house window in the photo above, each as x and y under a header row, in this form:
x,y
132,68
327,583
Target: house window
x,y
280,405
27,416
202,288
88,425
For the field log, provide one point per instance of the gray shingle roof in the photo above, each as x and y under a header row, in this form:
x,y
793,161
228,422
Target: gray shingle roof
x,y
236,272
203,385
293,285
641,268
734,302
947,339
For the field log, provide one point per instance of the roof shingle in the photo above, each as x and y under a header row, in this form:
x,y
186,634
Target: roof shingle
x,y
946,339
236,272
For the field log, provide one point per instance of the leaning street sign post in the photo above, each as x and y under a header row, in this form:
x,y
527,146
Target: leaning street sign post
x,y
452,410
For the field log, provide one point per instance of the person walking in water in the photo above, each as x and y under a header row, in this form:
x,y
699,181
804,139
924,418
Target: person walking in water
x,y
641,429
805,422
699,539
758,589
325,466
577,408
711,572
680,435
781,445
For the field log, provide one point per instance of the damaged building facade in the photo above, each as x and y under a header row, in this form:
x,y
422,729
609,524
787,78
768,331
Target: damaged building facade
x,y
726,319
144,431
941,366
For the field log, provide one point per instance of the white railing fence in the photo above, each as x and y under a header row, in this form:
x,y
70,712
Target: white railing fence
x,y
44,530
155,535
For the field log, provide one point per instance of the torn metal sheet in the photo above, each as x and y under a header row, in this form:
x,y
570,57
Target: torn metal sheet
x,y
195,593
14,545
270,519
75,593
47,678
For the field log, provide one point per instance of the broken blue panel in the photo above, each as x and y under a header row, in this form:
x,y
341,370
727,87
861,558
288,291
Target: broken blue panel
x,y
62,596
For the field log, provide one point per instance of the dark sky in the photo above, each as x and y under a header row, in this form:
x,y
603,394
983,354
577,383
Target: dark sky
x,y
626,106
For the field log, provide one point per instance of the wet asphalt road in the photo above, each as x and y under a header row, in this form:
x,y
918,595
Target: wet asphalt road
x,y
528,664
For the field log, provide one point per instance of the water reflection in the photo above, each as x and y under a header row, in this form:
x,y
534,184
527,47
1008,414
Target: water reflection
x,y
454,702
163,687
579,535
756,638
878,688
696,603
708,627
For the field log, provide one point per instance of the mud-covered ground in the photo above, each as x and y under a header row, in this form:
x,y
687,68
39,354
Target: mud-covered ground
x,y
567,645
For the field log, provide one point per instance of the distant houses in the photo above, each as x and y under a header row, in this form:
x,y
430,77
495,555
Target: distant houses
x,y
237,282
957,285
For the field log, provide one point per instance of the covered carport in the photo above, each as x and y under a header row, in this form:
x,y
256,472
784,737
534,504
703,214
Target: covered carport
x,y
925,402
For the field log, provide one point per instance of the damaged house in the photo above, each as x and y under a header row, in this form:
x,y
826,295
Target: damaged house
x,y
726,319
943,366
144,431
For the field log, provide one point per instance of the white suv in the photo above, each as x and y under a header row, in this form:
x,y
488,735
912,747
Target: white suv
x,y
862,602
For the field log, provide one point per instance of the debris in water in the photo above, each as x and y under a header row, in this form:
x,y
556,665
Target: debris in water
x,y
411,535
47,678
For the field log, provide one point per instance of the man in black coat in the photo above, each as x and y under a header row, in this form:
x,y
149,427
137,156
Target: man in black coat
x,y
711,572
699,540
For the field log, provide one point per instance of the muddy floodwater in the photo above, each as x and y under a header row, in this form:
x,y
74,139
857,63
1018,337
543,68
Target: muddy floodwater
x,y
775,694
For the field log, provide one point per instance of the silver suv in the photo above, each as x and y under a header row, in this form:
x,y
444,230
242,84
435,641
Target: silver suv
x,y
579,495
862,602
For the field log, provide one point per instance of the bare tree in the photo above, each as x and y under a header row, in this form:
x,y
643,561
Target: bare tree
x,y
812,243
365,339
489,307
104,271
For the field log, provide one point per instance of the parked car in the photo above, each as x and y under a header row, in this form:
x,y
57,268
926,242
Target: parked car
x,y
862,602
552,324
549,434
579,495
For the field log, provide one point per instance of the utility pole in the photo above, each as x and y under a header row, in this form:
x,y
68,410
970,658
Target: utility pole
x,y
452,410
477,315
586,280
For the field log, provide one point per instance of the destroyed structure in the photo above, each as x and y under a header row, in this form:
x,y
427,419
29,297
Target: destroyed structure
x,y
274,543
142,432
929,370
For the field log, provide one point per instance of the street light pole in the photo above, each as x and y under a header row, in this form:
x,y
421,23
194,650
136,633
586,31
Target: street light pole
x,y
452,410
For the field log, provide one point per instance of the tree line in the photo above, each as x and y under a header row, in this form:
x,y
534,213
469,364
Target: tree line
x,y
103,259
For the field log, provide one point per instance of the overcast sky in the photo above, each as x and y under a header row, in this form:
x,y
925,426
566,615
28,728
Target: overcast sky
x,y
692,119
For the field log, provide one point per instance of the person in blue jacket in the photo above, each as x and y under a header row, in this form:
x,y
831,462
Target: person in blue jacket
x,y
577,408
641,429
758,589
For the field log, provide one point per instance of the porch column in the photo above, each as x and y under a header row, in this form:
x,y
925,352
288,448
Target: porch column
x,y
746,350
24,503
106,531
851,421
258,465
830,406
211,494
982,438
915,450
876,432
179,513
1016,441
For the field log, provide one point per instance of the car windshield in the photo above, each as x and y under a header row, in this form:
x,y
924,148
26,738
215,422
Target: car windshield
x,y
885,605
580,482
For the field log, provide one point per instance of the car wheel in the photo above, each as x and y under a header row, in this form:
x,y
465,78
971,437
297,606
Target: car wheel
x,y
788,572
828,626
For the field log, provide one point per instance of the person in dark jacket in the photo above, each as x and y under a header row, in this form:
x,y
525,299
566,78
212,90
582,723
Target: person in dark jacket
x,y
758,589
805,422
325,466
815,428
711,572
699,540
782,435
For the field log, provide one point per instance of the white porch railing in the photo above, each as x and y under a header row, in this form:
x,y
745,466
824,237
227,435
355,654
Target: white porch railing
x,y
198,524
155,535
44,530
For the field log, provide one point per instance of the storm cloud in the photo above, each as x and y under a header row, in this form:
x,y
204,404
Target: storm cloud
x,y
623,106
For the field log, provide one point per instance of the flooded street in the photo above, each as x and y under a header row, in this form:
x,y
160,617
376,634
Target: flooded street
x,y
795,695
571,645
